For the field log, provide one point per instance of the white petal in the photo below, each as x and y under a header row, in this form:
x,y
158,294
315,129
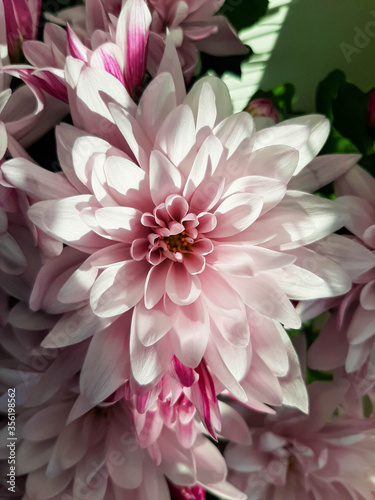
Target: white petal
x,y
236,213
106,364
118,288
176,136
165,179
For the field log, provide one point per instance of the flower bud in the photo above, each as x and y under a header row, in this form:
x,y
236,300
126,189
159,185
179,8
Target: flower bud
x,y
262,107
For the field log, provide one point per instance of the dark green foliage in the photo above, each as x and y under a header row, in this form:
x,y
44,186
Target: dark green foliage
x,y
244,13
223,64
350,110
346,106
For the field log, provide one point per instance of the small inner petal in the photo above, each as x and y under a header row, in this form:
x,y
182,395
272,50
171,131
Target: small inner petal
x,y
177,207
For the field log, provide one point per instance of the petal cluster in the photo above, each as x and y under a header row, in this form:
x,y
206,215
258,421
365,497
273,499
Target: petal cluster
x,y
172,280
295,456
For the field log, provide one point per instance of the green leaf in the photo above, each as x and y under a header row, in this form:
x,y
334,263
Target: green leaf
x,y
367,406
244,13
314,375
337,143
350,110
326,97
327,92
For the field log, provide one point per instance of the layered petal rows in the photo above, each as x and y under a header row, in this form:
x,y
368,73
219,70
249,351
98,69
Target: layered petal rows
x,y
187,310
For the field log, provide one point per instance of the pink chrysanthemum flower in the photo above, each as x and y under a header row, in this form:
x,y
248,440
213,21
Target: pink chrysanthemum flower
x,y
118,46
348,338
185,228
192,26
115,38
316,457
22,245
69,452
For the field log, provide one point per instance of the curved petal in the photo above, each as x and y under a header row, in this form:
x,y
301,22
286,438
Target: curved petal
x,y
118,288
182,287
190,333
165,179
264,296
235,214
150,325
61,220
106,364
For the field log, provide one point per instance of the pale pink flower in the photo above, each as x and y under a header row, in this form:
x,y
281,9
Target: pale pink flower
x,y
317,457
17,249
118,46
348,338
119,43
187,231
22,357
193,27
28,114
126,59
22,22
78,453
23,246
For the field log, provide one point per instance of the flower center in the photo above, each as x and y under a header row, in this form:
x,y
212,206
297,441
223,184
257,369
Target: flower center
x,y
176,234
178,242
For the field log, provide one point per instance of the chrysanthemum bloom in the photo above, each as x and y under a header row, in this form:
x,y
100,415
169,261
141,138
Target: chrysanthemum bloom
x,y
294,456
187,229
15,238
28,114
22,22
118,46
348,338
22,245
119,43
193,27
96,454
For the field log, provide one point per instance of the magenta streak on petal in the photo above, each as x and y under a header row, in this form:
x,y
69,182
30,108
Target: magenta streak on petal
x,y
35,12
205,382
47,82
137,42
111,66
141,402
184,374
19,24
76,47
52,85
